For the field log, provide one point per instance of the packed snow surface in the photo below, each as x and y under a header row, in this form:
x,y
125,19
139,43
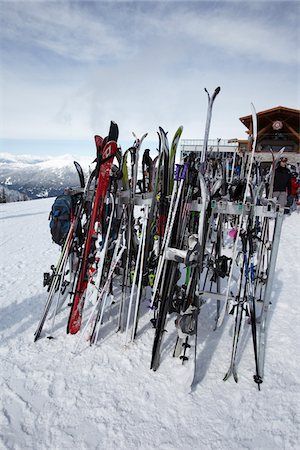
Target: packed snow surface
x,y
106,397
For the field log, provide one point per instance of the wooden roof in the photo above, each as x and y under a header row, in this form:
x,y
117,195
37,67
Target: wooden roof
x,y
291,117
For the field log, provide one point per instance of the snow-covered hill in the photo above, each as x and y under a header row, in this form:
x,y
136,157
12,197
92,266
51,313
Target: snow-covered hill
x,y
38,176
10,195
106,397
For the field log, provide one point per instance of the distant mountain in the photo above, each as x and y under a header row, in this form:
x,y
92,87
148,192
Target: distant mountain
x,y
37,176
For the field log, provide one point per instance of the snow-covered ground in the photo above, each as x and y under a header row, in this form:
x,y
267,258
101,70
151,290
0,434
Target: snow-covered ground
x,y
106,397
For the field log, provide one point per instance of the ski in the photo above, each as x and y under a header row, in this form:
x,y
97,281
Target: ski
x,y
80,173
104,164
211,99
225,307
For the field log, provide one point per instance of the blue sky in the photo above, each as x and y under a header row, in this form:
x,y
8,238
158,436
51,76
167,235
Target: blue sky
x,y
69,67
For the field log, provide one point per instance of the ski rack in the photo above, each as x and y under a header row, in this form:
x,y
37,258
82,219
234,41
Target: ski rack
x,y
267,293
270,210
141,199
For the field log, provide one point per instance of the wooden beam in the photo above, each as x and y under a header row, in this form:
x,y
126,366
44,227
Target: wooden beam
x,y
263,130
294,132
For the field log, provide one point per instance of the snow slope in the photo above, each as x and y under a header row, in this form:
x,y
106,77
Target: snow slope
x,y
106,397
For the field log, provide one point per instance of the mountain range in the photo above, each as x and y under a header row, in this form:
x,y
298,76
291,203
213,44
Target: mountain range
x,y
40,176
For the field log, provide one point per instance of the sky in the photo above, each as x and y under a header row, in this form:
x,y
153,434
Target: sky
x,y
69,67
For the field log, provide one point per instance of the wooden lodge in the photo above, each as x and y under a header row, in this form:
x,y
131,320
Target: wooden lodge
x,y
277,127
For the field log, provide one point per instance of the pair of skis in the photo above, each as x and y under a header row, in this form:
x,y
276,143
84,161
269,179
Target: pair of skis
x,y
106,151
162,294
245,300
192,300
128,211
90,204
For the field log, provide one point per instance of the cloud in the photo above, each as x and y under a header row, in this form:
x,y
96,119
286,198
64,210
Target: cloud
x,y
71,67
64,29
89,32
238,30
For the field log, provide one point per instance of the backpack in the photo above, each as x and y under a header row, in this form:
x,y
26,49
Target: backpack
x,y
60,218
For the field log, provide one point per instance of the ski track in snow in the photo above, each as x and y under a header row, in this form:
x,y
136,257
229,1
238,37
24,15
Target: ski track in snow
x,y
106,397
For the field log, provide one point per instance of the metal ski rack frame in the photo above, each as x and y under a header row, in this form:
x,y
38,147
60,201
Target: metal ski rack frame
x,y
270,210
143,199
267,293
127,197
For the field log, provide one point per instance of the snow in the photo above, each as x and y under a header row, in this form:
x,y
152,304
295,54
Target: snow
x,y
106,397
8,181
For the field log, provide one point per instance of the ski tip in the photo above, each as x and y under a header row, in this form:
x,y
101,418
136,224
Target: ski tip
x,y
154,366
228,374
253,108
234,373
193,386
231,371
219,322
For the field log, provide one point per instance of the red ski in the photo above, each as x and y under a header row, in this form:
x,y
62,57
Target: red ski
x,y
104,164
